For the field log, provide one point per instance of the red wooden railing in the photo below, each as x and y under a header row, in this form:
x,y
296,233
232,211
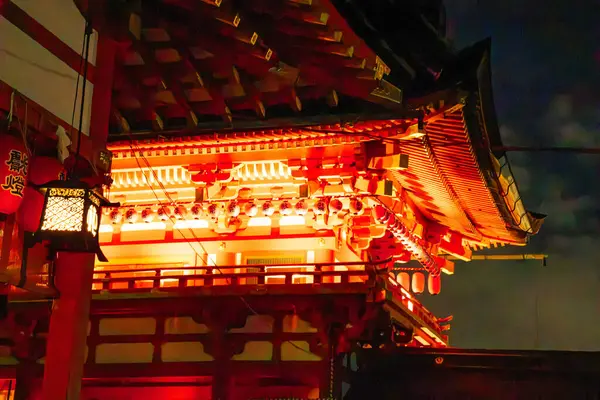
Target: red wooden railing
x,y
160,276
172,277
414,306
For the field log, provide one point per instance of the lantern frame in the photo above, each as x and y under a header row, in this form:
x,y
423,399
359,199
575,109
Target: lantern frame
x,y
71,216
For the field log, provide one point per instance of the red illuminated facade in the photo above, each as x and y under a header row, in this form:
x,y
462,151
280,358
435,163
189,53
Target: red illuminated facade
x,y
290,182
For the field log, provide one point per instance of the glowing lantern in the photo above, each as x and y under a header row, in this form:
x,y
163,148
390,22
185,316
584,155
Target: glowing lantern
x,y
14,165
147,215
115,216
250,209
196,211
356,206
285,208
71,217
233,209
320,207
164,213
180,212
335,206
301,207
403,279
434,284
131,215
268,209
418,282
213,211
41,170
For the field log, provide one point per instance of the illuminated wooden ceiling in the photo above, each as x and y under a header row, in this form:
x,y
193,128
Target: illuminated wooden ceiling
x,y
187,64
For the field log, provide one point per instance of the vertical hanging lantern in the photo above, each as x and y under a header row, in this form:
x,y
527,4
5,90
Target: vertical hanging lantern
x,y
14,165
418,282
71,217
403,279
434,284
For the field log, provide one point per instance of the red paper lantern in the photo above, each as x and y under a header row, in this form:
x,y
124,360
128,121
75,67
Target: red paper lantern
x,y
404,280
14,165
434,284
418,282
41,170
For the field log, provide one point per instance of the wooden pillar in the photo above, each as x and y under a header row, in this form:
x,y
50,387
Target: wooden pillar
x,y
28,383
65,351
223,258
221,377
325,256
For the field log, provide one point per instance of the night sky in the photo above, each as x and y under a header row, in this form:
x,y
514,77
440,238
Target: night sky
x,y
546,77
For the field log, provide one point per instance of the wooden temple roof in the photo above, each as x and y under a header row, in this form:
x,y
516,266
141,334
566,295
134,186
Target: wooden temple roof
x,y
187,63
217,73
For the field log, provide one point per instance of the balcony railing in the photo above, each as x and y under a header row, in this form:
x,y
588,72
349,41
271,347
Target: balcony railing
x,y
164,277
290,278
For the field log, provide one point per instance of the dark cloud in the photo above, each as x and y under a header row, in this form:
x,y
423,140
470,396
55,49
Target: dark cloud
x,y
547,89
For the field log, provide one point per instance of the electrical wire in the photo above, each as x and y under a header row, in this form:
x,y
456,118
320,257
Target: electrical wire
x,y
78,78
22,127
85,61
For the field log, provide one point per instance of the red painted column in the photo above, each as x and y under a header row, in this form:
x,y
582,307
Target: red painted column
x,y
65,352
66,348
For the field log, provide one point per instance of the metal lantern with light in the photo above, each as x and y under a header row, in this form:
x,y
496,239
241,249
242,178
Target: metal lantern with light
x,y
71,217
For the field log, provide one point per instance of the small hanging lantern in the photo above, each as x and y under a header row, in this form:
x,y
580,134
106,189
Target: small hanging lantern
x,y
71,217
301,207
196,211
418,282
434,284
131,215
320,207
335,206
285,208
233,209
180,212
147,215
268,209
164,213
251,209
115,216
